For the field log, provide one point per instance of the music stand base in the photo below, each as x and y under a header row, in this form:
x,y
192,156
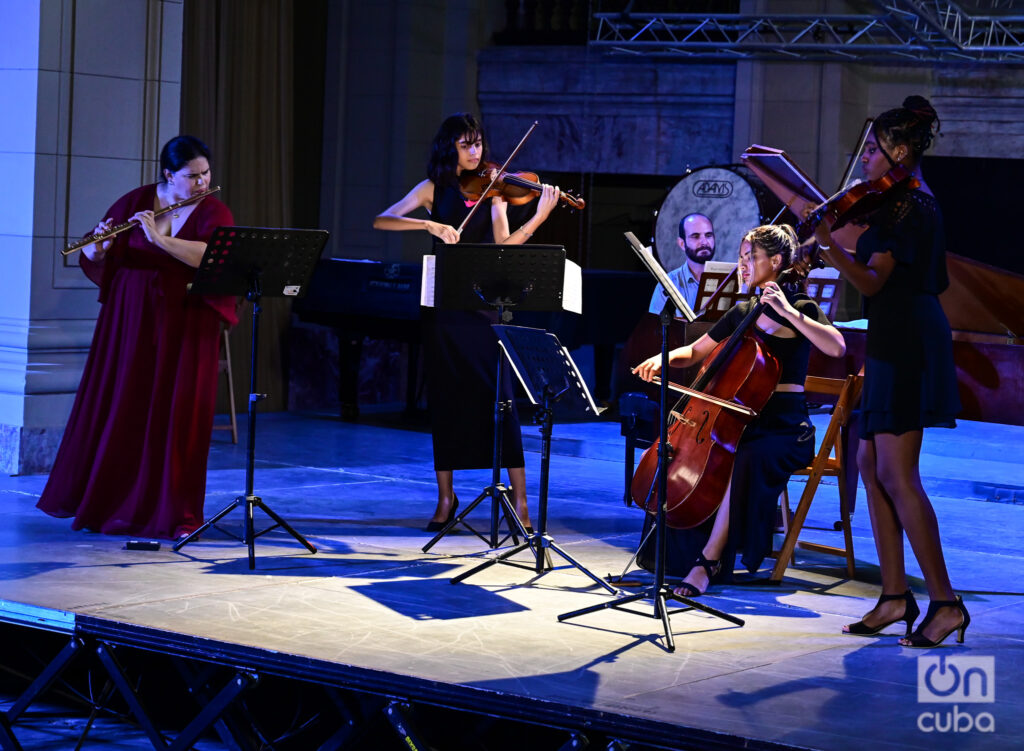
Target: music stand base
x,y
539,544
499,495
249,503
659,594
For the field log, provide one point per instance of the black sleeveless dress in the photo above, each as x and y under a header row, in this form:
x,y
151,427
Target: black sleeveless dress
x,y
461,364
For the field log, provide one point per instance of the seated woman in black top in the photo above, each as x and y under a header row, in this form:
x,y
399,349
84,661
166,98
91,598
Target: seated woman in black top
x,y
780,440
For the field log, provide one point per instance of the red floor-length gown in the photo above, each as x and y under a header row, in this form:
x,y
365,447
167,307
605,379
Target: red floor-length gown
x,y
133,457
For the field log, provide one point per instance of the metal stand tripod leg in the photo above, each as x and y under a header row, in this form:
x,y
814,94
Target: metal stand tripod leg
x,y
540,542
498,493
659,592
250,500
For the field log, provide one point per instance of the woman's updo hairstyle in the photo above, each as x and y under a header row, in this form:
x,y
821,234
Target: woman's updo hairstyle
x,y
913,125
179,151
775,240
442,167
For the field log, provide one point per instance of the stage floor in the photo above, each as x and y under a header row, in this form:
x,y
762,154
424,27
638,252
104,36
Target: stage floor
x,y
371,600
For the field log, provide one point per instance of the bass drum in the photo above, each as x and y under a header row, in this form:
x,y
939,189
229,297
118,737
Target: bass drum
x,y
731,197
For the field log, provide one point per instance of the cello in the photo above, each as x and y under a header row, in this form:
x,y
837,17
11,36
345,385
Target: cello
x,y
731,388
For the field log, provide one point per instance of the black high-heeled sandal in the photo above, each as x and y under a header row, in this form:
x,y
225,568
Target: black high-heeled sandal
x,y
920,641
910,613
685,589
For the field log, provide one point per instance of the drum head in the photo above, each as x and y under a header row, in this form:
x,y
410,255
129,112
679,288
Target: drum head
x,y
722,195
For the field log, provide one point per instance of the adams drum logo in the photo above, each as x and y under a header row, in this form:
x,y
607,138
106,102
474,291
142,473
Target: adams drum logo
x,y
712,189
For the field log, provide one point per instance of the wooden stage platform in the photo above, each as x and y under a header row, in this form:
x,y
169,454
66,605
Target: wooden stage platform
x,y
372,635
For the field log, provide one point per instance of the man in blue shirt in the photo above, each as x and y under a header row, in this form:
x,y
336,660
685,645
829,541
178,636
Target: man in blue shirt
x,y
697,239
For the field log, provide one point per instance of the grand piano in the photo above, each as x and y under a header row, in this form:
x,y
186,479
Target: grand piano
x,y
360,299
371,299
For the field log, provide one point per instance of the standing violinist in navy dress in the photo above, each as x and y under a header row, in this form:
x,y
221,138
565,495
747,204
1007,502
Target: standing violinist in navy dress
x,y
909,375
780,439
461,348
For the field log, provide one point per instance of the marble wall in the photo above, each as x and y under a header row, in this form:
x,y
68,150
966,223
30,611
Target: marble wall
x,y
91,116
613,115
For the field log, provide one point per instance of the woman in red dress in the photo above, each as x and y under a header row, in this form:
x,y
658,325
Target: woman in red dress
x,y
133,457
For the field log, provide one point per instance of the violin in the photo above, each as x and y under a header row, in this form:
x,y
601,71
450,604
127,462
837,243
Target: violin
x,y
857,201
515,187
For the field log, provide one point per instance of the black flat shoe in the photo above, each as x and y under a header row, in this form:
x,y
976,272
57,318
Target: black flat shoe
x,y
438,526
910,613
920,641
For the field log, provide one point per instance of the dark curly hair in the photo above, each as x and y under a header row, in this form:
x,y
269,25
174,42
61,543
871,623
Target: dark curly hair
x,y
913,125
442,167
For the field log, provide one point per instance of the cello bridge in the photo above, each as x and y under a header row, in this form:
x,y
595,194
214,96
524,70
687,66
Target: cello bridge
x,y
685,420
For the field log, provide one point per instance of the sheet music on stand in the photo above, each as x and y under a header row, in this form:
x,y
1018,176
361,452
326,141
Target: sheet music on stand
x,y
823,288
539,360
784,178
719,290
571,290
795,188
646,256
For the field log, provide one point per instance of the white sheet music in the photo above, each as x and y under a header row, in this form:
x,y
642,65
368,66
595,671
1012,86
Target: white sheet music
x,y
427,281
572,288
647,256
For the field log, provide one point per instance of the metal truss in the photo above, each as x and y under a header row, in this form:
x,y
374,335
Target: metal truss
x,y
923,31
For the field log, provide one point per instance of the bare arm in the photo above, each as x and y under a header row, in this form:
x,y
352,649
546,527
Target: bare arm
x,y
867,278
824,336
189,252
395,219
499,218
689,354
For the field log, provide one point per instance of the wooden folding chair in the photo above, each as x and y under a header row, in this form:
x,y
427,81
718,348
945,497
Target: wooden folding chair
x,y
829,461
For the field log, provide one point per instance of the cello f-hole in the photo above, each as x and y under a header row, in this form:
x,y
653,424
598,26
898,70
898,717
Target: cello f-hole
x,y
700,431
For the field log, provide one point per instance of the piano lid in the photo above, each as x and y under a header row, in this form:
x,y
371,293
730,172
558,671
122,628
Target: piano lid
x,y
983,299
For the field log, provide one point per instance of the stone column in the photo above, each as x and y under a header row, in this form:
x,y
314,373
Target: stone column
x,y
90,91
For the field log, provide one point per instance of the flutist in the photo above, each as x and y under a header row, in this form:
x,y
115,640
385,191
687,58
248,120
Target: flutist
x,y
133,457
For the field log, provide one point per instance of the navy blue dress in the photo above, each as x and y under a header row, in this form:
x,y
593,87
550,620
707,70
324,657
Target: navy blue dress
x,y
461,363
909,376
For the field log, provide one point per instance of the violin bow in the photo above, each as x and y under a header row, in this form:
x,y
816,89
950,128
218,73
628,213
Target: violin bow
x,y
856,152
497,177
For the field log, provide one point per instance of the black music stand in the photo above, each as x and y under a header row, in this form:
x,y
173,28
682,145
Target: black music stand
x,y
497,277
658,591
549,375
256,262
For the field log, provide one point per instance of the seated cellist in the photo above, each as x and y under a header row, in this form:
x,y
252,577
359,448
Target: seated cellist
x,y
780,439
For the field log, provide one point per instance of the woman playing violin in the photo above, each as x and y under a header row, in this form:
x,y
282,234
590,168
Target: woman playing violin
x,y
909,377
780,440
461,349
